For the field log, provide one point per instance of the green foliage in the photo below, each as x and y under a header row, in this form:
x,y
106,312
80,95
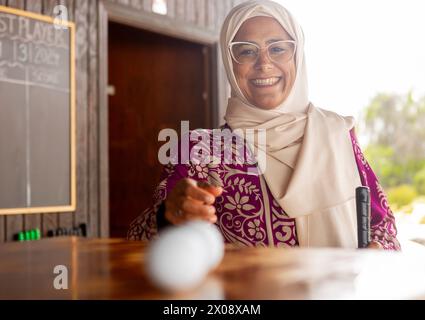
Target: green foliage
x,y
380,157
419,181
395,126
401,196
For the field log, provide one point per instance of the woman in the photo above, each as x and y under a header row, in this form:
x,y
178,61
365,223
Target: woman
x,y
304,193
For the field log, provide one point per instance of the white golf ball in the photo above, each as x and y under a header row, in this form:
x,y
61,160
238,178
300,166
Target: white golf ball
x,y
214,242
177,260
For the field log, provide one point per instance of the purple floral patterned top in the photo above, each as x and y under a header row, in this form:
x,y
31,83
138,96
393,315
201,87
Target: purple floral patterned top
x,y
247,213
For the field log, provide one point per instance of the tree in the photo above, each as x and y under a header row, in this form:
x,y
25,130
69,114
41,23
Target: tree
x,y
395,126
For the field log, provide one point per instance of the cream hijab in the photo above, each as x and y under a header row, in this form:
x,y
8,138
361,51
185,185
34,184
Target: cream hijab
x,y
310,166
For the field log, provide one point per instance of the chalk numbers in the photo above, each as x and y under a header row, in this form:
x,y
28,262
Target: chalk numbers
x,y
23,54
36,54
46,56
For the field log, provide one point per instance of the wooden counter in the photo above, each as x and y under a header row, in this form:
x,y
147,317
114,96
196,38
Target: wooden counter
x,y
113,269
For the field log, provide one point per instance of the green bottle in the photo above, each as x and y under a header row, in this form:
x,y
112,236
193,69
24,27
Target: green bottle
x,y
37,234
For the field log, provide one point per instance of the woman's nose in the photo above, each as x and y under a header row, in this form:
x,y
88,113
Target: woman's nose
x,y
263,61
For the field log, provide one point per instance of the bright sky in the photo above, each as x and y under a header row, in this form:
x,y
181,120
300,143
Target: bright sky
x,y
356,48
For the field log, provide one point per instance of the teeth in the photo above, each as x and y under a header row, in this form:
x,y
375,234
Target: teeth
x,y
265,82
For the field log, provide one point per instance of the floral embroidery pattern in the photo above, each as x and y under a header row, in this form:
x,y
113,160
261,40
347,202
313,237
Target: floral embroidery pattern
x,y
241,208
382,197
254,229
239,203
199,171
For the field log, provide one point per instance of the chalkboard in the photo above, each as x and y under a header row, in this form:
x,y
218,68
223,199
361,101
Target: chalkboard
x,y
37,113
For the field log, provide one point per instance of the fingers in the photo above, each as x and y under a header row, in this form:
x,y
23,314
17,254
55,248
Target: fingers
x,y
185,209
197,210
199,194
374,245
214,190
201,191
192,200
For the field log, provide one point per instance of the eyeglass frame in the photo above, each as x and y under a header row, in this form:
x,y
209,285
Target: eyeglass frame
x,y
260,49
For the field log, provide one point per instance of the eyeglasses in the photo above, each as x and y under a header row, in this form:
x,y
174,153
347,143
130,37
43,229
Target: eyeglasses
x,y
248,53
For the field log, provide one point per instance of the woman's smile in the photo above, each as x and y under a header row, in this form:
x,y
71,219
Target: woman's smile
x,y
266,82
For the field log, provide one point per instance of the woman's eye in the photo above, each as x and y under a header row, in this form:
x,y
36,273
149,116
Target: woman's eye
x,y
277,50
247,52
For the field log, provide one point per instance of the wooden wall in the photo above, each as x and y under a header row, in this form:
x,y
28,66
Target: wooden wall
x,y
206,14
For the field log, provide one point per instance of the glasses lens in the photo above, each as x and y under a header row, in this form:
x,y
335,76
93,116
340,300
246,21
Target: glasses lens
x,y
281,52
244,52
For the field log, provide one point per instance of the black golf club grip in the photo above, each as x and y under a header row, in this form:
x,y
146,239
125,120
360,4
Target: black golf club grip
x,y
363,216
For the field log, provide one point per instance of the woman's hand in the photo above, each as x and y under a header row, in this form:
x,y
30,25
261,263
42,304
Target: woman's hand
x,y
191,200
374,245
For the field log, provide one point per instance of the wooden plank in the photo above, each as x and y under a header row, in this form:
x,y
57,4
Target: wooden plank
x,y
209,114
171,8
18,4
190,11
48,6
136,4
210,9
179,10
200,13
14,223
147,5
49,221
32,221
2,229
223,88
92,213
34,6
123,2
82,43
215,101
103,123
66,219
227,6
219,9
3,218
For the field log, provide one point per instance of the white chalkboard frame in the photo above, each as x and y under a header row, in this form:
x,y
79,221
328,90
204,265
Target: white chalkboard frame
x,y
68,207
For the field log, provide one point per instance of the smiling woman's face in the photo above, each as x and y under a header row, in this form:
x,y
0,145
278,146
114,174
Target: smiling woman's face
x,y
265,83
